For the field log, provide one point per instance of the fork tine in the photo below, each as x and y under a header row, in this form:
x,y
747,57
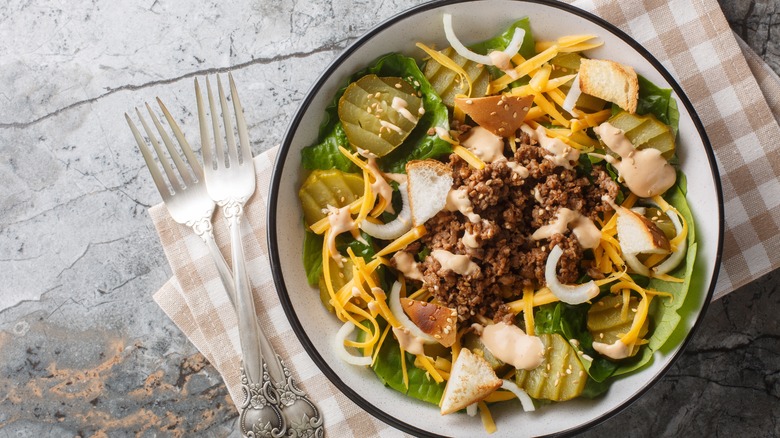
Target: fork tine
x,y
220,148
185,146
150,164
205,141
174,154
229,137
243,135
166,166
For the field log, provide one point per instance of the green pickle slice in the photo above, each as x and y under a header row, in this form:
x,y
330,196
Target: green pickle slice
x,y
328,187
448,84
370,118
560,377
606,323
645,132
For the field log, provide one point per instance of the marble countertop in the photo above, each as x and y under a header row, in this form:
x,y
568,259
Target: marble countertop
x,y
84,351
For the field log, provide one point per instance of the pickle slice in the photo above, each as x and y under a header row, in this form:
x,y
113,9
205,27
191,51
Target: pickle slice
x,y
328,187
372,120
475,344
448,84
560,377
606,323
645,132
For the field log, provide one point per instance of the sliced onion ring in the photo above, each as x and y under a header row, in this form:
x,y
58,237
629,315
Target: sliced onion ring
x,y
471,409
633,262
525,399
341,349
398,312
510,50
678,254
568,293
572,96
395,228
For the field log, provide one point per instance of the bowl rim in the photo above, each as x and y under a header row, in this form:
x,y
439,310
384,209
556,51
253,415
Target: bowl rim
x,y
285,147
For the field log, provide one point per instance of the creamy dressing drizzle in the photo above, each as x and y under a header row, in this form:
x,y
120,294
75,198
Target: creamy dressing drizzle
x,y
408,341
645,172
510,344
529,131
518,168
379,186
459,264
485,145
340,220
458,200
388,125
400,105
562,154
538,195
470,240
405,263
586,231
617,350
443,134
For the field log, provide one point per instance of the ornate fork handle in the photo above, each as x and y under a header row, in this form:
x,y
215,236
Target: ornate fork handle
x,y
303,417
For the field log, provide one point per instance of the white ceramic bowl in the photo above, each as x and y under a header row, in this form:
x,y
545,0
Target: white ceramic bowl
x,y
476,21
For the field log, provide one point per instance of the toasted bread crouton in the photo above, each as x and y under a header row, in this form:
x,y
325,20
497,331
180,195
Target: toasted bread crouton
x,y
471,380
502,115
637,234
429,183
611,81
433,319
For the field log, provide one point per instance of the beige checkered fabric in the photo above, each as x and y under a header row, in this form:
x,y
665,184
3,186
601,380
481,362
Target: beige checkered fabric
x,y
737,99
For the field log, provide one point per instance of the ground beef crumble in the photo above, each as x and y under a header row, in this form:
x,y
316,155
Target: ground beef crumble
x,y
511,208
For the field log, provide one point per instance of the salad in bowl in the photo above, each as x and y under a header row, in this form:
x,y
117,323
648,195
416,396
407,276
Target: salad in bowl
x,y
498,225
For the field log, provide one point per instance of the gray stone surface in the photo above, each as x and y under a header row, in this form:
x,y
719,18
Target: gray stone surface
x,y
84,351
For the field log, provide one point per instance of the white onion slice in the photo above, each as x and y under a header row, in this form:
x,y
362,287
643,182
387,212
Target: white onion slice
x,y
572,96
677,256
525,399
397,227
341,349
510,50
398,312
568,293
633,262
471,409
459,47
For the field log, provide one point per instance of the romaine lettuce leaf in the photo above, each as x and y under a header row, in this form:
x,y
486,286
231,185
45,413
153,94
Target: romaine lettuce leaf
x,y
312,256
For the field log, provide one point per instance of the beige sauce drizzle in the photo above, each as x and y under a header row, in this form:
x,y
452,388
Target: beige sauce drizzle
x,y
518,168
487,146
379,186
388,125
645,172
458,200
562,154
510,344
617,350
459,264
340,220
405,263
529,131
470,240
538,195
501,61
443,134
400,106
408,341
586,231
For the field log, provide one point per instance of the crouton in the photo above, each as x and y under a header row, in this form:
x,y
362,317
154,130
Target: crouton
x,y
611,81
637,234
433,319
471,380
502,115
429,183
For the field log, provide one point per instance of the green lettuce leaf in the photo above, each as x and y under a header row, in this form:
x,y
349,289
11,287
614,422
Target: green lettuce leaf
x,y
326,154
312,256
665,313
388,368
658,101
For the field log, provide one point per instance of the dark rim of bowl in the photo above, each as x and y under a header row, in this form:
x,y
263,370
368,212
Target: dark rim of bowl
x,y
285,148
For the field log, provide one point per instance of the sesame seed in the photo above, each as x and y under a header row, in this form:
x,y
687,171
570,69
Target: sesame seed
x,y
557,381
568,371
398,85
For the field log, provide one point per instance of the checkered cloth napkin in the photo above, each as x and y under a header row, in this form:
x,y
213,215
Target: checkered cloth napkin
x,y
735,94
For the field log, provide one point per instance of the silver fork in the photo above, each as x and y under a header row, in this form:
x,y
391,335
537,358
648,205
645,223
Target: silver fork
x,y
189,203
230,180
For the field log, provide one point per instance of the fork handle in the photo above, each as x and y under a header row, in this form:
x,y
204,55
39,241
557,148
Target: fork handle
x,y
275,368
245,305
